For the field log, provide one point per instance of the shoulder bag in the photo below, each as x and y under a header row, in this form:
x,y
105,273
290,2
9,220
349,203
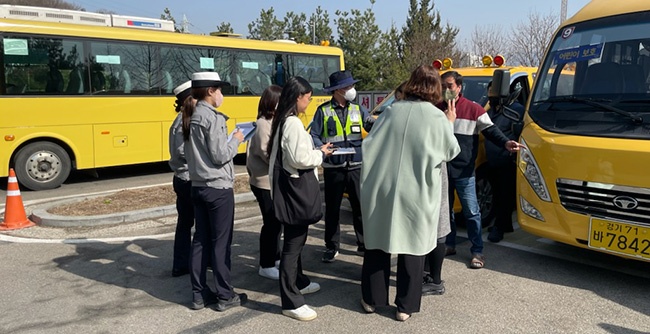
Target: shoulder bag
x,y
296,201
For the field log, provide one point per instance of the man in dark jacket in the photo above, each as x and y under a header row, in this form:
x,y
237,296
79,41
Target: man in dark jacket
x,y
502,164
339,121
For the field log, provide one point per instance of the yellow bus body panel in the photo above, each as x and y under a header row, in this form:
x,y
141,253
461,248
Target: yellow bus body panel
x,y
102,131
559,156
614,161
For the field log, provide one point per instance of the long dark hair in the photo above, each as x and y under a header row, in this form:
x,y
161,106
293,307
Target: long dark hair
x,y
269,101
188,110
294,88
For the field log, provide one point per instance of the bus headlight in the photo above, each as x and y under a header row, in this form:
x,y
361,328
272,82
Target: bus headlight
x,y
530,169
529,209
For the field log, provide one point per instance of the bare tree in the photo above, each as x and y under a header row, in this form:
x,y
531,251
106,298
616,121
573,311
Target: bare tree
x,y
529,38
60,4
489,40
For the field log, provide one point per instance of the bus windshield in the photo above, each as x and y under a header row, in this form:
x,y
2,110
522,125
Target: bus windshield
x,y
595,80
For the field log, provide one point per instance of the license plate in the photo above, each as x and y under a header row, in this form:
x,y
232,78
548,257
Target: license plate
x,y
621,238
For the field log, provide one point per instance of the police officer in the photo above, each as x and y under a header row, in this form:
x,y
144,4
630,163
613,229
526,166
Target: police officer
x,y
339,121
209,156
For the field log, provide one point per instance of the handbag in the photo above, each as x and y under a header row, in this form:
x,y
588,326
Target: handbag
x,y
296,201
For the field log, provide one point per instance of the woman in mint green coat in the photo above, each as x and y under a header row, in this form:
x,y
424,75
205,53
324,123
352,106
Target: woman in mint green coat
x,y
400,190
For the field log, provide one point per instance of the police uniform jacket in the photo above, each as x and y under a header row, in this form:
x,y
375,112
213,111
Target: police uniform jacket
x,y
209,153
340,125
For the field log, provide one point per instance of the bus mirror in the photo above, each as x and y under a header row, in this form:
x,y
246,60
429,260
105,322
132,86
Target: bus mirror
x,y
500,87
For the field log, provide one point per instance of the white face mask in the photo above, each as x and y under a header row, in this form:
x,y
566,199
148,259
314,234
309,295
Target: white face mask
x,y
350,94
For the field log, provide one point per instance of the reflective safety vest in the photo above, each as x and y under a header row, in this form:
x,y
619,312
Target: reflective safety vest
x,y
353,124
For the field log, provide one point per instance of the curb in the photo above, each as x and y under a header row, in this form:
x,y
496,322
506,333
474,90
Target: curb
x,y
41,217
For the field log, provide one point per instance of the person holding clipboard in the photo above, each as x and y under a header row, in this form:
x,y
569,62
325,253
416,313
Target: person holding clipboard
x,y
339,121
209,156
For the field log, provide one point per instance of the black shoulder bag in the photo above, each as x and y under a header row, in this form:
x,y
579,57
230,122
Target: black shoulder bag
x,y
296,201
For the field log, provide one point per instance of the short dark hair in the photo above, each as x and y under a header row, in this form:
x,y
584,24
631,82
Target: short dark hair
x,y
458,78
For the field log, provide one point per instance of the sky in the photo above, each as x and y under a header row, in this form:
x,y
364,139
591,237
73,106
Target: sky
x,y
204,15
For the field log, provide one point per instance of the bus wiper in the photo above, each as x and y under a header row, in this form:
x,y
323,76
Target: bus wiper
x,y
597,103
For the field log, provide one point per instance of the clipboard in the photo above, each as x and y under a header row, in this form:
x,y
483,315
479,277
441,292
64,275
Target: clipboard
x,y
344,150
246,128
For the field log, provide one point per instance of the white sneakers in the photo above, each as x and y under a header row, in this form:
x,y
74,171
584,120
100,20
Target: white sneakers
x,y
303,313
271,273
311,288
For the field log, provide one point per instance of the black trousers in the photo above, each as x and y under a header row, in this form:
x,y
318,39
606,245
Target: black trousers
x,y
375,279
503,179
183,235
215,212
271,229
338,181
292,279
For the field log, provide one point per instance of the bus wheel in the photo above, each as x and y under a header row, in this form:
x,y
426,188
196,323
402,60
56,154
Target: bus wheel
x,y
485,197
42,165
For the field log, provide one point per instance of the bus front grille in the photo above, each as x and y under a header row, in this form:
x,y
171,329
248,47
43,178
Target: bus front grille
x,y
607,201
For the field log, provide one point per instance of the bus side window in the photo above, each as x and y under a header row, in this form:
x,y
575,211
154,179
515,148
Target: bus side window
x,y
54,81
75,82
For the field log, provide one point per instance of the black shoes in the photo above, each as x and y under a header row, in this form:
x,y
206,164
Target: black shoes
x,y
236,300
430,288
180,272
361,250
330,255
495,235
199,304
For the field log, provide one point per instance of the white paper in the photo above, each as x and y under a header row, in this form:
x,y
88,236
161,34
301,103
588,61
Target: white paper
x,y
344,150
246,128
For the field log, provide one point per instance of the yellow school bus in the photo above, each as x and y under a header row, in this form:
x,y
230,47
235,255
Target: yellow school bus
x,y
583,178
475,88
83,90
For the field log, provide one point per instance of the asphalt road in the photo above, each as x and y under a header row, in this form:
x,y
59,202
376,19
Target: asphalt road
x,y
529,285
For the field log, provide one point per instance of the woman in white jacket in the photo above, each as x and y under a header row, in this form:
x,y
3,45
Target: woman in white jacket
x,y
298,153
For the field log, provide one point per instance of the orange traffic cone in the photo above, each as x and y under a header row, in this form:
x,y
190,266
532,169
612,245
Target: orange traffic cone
x,y
15,216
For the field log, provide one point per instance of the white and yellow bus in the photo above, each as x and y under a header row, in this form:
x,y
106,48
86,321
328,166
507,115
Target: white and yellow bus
x,y
583,179
82,90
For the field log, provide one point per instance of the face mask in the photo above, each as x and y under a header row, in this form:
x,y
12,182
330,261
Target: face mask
x,y
448,95
350,94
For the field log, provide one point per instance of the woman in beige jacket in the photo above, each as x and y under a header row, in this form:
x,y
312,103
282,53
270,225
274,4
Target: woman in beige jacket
x,y
257,165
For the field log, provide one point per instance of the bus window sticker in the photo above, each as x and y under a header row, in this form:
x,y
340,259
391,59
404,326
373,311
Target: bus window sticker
x,y
207,63
580,53
15,47
108,59
250,65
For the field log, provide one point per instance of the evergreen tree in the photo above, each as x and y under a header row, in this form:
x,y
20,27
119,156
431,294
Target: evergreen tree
x,y
225,27
358,36
267,27
319,27
296,25
425,38
389,59
167,15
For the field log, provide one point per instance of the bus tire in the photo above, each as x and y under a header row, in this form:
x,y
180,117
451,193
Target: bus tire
x,y
42,165
485,196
